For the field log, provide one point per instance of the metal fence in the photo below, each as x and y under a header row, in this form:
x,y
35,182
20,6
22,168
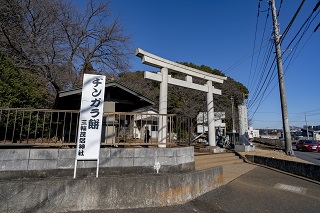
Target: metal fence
x,y
46,127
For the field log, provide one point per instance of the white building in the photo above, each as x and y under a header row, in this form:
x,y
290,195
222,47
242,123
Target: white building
x,y
253,133
202,121
148,117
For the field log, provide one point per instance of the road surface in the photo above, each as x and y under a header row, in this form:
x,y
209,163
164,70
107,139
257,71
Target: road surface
x,y
313,157
260,190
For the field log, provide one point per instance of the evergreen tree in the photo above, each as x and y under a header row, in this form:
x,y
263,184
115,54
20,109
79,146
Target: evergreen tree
x,y
19,88
188,102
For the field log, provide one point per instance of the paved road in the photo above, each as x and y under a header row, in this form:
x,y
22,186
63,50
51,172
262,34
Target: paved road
x,y
313,157
256,191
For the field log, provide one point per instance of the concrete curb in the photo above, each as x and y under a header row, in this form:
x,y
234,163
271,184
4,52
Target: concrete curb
x,y
305,170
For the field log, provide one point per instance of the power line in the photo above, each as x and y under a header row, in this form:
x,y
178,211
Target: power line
x,y
243,59
263,85
285,32
291,22
314,110
315,29
258,85
251,82
254,41
308,24
287,29
305,22
279,8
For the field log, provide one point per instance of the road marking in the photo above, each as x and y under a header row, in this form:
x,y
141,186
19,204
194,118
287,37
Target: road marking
x,y
295,189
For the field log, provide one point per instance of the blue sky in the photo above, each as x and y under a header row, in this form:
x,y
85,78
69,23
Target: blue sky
x,y
222,34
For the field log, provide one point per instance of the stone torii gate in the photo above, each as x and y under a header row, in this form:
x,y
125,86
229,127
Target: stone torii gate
x,y
165,79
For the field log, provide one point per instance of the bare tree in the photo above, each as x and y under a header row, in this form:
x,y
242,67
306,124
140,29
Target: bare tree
x,y
93,42
56,40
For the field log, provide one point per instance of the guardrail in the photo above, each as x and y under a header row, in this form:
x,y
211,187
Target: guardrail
x,y
47,127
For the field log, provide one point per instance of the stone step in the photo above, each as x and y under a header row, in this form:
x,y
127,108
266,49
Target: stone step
x,y
215,157
218,155
201,166
204,161
218,160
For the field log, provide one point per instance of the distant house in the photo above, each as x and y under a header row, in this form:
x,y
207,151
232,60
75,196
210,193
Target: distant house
x,y
316,135
118,98
253,133
307,133
202,122
147,117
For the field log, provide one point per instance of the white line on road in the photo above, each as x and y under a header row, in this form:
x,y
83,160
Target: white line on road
x,y
295,189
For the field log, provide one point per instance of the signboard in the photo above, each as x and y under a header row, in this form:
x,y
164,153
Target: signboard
x,y
90,121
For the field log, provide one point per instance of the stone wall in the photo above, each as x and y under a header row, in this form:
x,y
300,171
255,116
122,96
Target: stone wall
x,y
41,180
41,162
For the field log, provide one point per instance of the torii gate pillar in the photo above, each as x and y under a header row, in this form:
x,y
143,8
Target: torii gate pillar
x,y
211,126
163,104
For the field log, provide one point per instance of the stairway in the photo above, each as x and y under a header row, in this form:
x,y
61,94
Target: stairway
x,y
205,160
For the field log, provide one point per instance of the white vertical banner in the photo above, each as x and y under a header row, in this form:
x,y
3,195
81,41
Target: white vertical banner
x,y
90,121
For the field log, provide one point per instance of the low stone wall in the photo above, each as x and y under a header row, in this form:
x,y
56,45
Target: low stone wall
x,y
271,142
111,192
310,171
244,148
115,160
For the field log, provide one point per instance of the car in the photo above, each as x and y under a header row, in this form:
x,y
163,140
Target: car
x,y
307,145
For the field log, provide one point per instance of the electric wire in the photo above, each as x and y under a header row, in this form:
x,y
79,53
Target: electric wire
x,y
279,8
290,53
258,85
291,22
308,24
285,32
261,84
254,40
293,59
260,98
251,83
263,68
254,51
315,29
287,29
242,60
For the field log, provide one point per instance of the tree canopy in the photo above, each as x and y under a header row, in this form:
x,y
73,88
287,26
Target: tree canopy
x,y
19,88
47,45
58,41
189,102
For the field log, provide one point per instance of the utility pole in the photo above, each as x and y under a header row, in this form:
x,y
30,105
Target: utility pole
x,y
305,118
284,108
